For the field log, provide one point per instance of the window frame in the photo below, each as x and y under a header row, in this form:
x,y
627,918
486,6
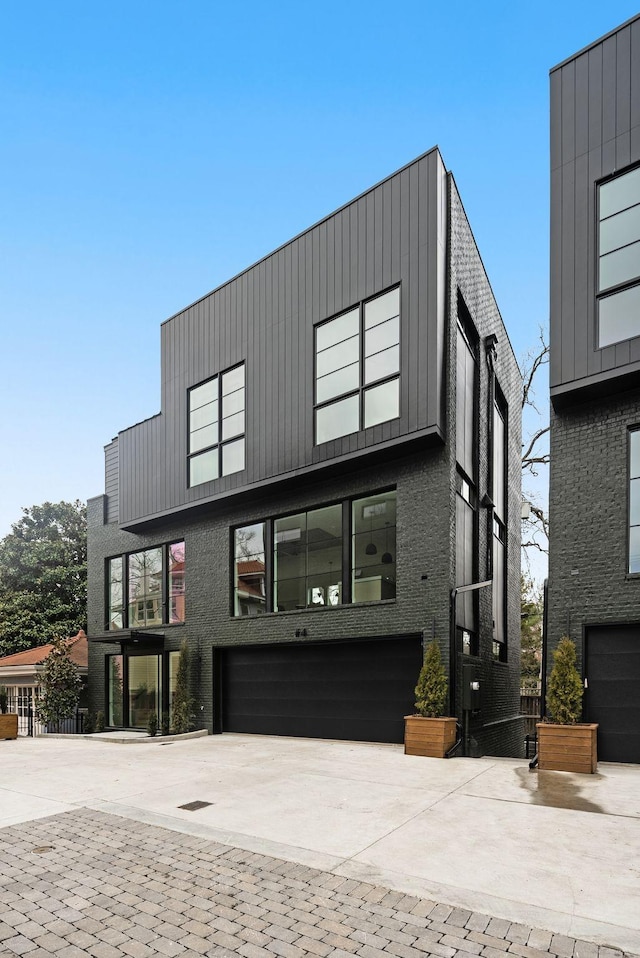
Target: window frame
x,y
467,485
360,391
347,532
614,290
631,431
500,408
220,444
166,595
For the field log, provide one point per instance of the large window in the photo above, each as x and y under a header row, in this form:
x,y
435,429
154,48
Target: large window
x,y
308,559
619,258
333,555
146,588
357,381
217,427
634,501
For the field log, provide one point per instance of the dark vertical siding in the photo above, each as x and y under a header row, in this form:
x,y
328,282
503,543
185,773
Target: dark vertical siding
x,y
595,131
265,317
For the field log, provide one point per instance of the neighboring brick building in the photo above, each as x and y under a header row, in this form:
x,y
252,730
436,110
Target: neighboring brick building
x,y
20,674
338,448
594,562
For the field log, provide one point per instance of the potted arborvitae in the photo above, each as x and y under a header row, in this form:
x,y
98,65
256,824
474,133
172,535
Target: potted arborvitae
x,y
564,743
430,732
8,720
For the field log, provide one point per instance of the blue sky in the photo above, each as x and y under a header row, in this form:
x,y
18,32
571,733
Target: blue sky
x,y
151,150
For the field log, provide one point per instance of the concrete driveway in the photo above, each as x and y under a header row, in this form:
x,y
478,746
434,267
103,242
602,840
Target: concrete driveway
x,y
546,849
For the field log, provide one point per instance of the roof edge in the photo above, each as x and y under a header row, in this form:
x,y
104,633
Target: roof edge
x,y
308,229
596,43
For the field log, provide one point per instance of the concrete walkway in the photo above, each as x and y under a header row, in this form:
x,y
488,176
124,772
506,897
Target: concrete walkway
x,y
546,858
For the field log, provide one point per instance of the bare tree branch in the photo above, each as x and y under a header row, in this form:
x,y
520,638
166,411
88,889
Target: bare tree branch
x,y
535,453
530,367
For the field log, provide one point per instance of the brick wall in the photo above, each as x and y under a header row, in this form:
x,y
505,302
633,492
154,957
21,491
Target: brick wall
x,y
588,512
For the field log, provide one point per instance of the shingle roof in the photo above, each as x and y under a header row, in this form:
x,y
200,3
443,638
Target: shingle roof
x,y
79,653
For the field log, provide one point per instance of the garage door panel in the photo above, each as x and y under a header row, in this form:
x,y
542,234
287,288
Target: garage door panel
x,y
613,697
346,690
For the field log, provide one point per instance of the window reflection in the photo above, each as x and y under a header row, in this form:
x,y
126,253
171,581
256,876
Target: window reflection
x,y
145,588
250,596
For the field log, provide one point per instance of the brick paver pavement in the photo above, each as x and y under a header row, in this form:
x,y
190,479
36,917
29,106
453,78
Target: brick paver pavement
x,y
84,883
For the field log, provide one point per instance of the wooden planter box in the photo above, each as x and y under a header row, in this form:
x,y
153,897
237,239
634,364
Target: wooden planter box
x,y
567,748
429,736
8,725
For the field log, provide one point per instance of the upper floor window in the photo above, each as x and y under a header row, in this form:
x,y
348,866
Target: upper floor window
x,y
634,501
146,588
619,258
217,426
357,381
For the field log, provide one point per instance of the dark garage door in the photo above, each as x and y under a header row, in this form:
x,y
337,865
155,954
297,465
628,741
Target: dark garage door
x,y
613,697
345,690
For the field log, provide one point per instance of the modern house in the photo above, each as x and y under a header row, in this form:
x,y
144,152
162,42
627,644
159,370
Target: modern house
x,y
21,673
594,570
337,451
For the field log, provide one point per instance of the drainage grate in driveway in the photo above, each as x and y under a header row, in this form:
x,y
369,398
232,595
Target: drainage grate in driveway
x,y
194,806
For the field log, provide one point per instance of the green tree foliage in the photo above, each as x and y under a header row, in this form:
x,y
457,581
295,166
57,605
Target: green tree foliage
x,y
531,634
43,576
59,685
565,690
182,700
431,690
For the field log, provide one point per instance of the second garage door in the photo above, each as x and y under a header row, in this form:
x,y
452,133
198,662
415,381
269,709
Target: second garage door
x,y
613,697
355,690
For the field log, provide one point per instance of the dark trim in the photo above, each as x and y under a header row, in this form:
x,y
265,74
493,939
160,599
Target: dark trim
x,y
596,386
343,640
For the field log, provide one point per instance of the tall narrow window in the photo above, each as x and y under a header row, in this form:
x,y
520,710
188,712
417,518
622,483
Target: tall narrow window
x,y
499,530
176,582
145,588
357,379
466,481
373,548
115,689
634,501
217,427
116,593
250,595
619,258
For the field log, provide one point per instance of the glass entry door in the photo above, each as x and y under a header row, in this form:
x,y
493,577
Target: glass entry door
x,y
144,687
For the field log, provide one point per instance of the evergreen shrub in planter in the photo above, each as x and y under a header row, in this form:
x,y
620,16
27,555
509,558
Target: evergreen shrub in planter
x,y
430,732
564,743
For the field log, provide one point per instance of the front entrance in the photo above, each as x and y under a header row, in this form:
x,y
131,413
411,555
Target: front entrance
x,y
613,695
139,685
